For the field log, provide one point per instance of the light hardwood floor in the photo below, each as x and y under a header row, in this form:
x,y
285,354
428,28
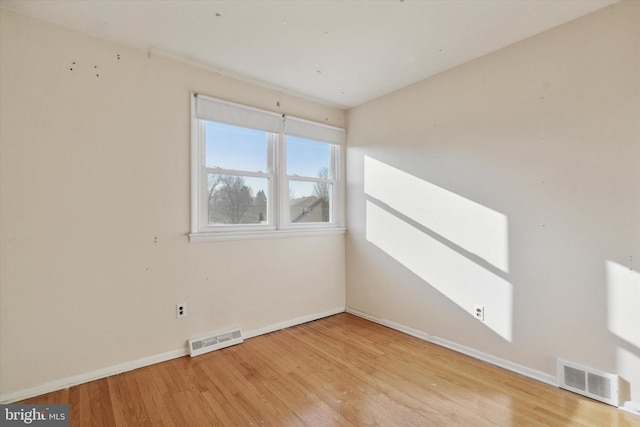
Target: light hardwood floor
x,y
340,370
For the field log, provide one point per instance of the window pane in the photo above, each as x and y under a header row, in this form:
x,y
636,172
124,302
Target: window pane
x,y
232,147
309,201
237,199
308,158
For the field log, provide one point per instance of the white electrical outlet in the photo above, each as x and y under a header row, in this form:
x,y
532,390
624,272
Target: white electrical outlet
x,y
478,312
181,310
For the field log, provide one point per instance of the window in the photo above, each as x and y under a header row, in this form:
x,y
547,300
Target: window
x,y
238,174
257,173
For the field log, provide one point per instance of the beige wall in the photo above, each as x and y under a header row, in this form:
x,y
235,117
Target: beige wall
x,y
95,212
534,153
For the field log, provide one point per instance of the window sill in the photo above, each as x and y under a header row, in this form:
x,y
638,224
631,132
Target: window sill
x,y
271,234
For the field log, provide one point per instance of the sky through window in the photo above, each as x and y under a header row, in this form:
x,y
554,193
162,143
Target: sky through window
x,y
238,148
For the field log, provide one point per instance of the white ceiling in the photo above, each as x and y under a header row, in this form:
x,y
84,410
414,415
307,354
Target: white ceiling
x,y
341,52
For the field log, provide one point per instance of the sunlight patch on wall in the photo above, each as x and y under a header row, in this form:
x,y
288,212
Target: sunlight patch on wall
x,y
454,275
628,367
623,302
473,227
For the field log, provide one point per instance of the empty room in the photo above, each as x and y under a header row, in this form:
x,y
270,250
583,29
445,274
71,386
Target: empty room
x,y
319,212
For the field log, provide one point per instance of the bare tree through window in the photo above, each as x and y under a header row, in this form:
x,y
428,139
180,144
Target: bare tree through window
x,y
231,201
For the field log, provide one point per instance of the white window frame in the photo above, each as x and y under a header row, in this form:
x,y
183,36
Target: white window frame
x,y
203,202
278,203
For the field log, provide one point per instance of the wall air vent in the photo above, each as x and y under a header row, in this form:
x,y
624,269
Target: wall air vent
x,y
214,341
588,382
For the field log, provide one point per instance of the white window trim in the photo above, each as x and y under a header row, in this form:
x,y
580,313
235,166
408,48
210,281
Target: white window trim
x,y
256,235
280,227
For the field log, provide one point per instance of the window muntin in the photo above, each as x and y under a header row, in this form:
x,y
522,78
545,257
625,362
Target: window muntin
x,y
244,172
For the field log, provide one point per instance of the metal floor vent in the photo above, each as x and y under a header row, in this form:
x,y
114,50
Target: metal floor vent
x,y
588,382
214,341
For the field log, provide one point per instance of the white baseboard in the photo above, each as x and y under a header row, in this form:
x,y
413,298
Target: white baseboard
x,y
90,376
502,363
146,361
292,322
631,407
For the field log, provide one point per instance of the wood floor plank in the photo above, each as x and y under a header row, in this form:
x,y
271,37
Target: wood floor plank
x,y
101,405
80,405
217,403
357,386
306,404
411,378
151,391
463,384
224,389
338,371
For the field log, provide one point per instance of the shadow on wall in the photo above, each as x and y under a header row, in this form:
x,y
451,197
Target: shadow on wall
x,y
456,245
